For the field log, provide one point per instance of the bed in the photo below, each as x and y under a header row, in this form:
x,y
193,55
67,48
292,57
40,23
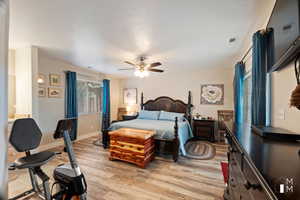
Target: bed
x,y
174,133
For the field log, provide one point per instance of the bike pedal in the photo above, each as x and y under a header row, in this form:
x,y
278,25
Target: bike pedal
x,y
12,166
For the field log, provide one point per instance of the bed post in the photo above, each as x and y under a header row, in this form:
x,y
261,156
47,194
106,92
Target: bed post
x,y
105,136
176,142
189,107
105,130
142,101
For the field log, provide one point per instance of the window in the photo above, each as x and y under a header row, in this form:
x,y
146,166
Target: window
x,y
89,97
247,98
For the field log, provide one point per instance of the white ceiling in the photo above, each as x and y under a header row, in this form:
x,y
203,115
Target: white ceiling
x,y
104,33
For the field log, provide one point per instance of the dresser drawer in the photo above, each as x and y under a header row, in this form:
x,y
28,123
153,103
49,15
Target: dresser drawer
x,y
234,191
204,123
236,182
236,153
203,131
252,183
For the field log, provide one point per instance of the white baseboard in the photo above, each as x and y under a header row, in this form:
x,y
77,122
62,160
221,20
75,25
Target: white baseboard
x,y
60,142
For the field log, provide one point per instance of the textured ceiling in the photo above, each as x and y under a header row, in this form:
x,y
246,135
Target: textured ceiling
x,y
104,33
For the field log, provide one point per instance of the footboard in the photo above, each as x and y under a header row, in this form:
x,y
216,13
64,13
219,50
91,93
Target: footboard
x,y
174,144
105,135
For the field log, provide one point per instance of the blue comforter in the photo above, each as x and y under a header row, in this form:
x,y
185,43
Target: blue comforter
x,y
164,129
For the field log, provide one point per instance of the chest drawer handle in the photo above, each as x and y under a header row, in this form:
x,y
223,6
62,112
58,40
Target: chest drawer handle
x,y
232,150
249,185
232,183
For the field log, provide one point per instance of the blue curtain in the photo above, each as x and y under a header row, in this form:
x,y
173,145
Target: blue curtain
x,y
71,100
239,91
106,105
262,61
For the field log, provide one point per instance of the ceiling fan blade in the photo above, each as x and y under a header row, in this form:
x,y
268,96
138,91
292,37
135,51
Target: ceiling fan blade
x,y
130,63
126,69
156,70
155,64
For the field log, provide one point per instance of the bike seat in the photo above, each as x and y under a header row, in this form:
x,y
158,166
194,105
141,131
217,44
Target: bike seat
x,y
34,160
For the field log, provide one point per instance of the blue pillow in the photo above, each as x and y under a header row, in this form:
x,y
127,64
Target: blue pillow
x,y
146,114
170,116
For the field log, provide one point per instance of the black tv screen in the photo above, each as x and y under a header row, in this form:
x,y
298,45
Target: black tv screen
x,y
286,25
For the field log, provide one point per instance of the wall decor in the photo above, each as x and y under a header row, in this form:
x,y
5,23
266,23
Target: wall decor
x,y
41,79
54,92
42,92
55,79
130,96
212,94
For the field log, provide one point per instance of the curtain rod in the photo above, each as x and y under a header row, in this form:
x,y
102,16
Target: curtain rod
x,y
262,31
247,52
82,74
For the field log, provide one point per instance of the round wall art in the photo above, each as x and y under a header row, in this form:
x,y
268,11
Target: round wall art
x,y
212,94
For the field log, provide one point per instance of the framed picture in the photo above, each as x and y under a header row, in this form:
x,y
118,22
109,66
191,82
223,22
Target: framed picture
x,y
54,92
55,79
41,79
130,96
212,94
42,92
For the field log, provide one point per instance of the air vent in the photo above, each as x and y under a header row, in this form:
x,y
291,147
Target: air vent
x,y
231,40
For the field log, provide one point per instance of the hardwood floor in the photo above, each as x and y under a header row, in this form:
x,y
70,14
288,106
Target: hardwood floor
x,y
162,179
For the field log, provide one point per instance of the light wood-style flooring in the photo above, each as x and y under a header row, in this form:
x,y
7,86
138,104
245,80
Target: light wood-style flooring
x,y
161,180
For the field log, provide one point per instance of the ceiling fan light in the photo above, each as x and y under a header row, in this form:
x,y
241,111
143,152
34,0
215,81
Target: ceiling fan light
x,y
141,74
137,73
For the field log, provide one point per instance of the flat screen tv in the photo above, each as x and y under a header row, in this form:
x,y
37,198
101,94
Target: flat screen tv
x,y
285,21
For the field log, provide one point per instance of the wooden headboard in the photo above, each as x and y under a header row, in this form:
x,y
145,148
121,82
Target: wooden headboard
x,y
168,104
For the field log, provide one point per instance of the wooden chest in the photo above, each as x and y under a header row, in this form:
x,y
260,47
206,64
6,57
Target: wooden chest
x,y
132,145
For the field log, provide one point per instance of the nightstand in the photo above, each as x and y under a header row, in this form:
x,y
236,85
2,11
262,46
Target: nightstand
x,y
128,117
204,129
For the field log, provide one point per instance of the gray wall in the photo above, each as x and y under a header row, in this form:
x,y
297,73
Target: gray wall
x,y
50,110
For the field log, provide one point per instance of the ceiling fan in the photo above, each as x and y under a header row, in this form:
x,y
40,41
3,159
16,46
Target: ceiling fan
x,y
142,69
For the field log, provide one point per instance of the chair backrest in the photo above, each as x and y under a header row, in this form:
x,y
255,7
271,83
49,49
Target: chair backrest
x,y
25,135
225,116
64,125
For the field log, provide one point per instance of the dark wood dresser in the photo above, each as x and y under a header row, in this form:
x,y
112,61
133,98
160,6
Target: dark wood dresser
x,y
261,168
205,129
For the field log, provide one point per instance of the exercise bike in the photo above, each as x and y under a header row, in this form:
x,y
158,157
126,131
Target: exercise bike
x,y
69,181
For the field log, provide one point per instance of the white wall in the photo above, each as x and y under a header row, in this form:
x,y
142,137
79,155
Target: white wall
x,y
4,9
34,85
23,71
283,83
177,84
11,84
115,95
